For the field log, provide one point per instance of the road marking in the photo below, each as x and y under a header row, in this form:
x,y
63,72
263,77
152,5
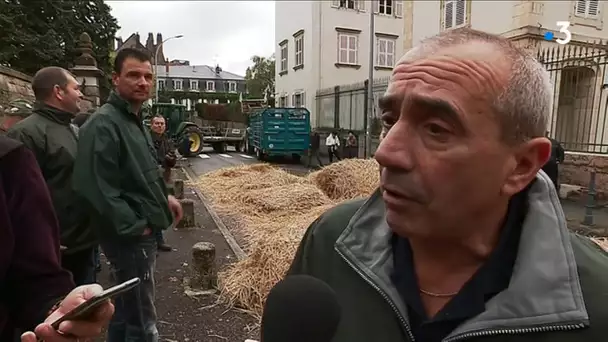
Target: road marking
x,y
203,156
245,156
225,155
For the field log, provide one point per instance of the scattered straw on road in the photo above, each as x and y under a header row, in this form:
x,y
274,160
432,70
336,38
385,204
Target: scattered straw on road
x,y
276,208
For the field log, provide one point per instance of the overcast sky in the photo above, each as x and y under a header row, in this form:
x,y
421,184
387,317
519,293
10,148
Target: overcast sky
x,y
229,32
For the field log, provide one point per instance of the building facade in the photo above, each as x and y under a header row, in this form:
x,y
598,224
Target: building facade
x,y
191,84
323,44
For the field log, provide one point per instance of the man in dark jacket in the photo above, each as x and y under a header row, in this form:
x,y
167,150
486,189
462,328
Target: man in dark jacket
x,y
48,132
33,282
164,154
117,174
464,240
551,168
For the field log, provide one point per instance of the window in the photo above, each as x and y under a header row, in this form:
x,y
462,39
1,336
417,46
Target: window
x,y
385,55
587,8
299,40
283,101
454,13
161,84
298,99
347,48
358,5
193,85
177,84
232,87
210,86
284,54
388,7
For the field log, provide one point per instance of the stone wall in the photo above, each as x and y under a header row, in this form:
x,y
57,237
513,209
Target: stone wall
x,y
577,166
14,85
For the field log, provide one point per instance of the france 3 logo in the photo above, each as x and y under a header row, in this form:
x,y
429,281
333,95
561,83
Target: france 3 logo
x,y
564,29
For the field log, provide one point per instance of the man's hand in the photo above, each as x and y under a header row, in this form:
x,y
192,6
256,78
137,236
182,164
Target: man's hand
x,y
72,330
176,209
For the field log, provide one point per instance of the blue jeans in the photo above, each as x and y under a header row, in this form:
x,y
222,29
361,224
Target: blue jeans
x,y
135,314
160,239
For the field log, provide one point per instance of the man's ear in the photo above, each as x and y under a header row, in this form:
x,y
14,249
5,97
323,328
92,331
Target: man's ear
x,y
528,158
114,79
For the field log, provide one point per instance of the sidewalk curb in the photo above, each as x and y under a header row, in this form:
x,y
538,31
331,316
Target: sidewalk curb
x,y
234,246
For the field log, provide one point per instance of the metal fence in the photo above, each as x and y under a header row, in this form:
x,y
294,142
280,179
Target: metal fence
x,y
580,104
344,107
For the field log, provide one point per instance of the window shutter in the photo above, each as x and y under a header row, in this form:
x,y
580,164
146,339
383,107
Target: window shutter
x,y
593,7
293,99
376,6
335,3
460,12
581,7
448,12
303,97
398,8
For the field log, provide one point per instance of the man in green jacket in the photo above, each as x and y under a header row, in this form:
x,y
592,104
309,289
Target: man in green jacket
x,y
48,133
117,174
465,240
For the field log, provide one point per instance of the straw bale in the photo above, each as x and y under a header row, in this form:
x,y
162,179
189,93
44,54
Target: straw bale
x,y
285,198
603,242
273,245
225,186
347,179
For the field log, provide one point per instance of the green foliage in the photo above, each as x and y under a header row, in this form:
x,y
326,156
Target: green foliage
x,y
39,33
260,77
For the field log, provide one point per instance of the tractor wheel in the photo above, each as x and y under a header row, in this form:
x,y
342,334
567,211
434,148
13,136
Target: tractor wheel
x,y
194,137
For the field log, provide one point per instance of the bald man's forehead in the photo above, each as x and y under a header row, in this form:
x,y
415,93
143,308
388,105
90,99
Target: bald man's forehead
x,y
473,51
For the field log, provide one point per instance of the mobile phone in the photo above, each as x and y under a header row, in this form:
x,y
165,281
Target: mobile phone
x,y
84,310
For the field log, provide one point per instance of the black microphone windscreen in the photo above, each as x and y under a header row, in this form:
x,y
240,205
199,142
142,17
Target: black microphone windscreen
x,y
300,308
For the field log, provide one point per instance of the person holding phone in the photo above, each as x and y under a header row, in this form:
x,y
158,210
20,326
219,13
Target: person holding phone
x,y
33,282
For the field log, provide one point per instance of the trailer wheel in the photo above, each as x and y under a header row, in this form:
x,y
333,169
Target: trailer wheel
x,y
219,147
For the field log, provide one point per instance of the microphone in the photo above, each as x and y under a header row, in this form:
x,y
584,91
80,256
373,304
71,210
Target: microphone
x,y
300,308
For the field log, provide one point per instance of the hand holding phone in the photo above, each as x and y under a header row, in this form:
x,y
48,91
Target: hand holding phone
x,y
86,309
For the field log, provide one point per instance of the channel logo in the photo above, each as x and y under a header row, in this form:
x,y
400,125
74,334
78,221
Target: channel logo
x,y
564,29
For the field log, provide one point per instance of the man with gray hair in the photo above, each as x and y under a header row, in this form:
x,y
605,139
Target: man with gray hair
x,y
465,239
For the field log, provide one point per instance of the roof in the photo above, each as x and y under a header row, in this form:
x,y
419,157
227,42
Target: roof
x,y
196,72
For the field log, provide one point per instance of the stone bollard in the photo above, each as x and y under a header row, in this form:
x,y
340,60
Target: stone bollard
x,y
188,219
178,188
204,276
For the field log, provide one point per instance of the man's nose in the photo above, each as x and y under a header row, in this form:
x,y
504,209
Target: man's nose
x,y
395,150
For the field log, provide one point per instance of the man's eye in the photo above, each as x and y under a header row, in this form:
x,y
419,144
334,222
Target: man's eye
x,y
387,121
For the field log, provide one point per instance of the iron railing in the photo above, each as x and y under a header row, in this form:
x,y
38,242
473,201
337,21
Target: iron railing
x,y
580,98
344,107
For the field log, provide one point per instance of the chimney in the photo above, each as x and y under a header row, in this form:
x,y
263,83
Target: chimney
x,y
167,67
150,42
218,70
159,38
118,43
137,38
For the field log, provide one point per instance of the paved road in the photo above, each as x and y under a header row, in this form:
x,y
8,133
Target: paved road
x,y
209,161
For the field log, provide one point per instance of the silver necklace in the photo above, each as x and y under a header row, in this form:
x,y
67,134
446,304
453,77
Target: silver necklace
x,y
439,295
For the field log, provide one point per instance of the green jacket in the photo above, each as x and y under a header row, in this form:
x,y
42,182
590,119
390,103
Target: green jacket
x,y
49,134
117,173
558,290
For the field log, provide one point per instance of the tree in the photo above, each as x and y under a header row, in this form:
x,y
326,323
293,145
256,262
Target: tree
x,y
260,77
39,33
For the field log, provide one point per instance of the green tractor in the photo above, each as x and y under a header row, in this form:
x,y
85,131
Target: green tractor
x,y
185,134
